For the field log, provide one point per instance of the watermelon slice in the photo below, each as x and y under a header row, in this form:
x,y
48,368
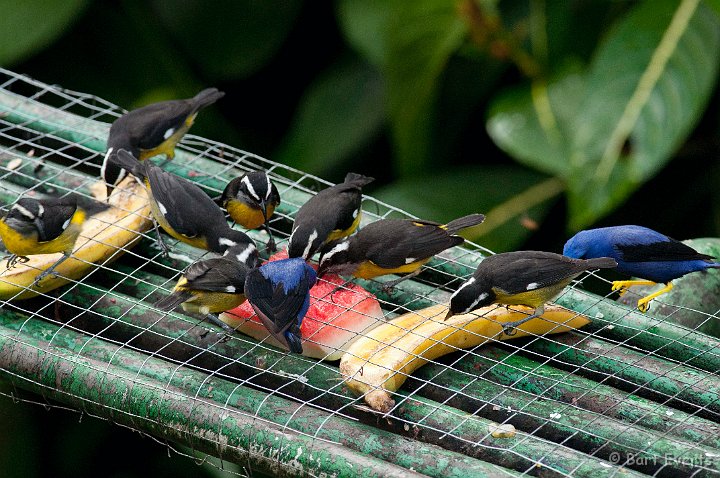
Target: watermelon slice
x,y
339,312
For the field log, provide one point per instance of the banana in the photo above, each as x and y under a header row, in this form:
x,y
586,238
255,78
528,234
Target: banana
x,y
104,237
379,362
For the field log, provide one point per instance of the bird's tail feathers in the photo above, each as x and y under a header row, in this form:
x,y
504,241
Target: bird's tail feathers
x,y
601,263
358,179
464,222
173,300
207,97
127,161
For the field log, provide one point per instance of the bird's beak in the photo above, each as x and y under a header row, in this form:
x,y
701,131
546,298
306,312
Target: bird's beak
x,y
450,313
263,208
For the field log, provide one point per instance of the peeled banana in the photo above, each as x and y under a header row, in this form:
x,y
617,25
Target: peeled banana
x,y
104,237
379,362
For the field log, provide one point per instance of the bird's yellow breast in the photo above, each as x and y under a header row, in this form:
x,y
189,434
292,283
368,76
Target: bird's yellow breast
x,y
20,245
212,302
531,298
246,215
167,147
199,241
340,233
369,269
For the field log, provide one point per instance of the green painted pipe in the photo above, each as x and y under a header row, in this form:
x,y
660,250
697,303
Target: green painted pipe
x,y
160,408
509,369
269,408
684,387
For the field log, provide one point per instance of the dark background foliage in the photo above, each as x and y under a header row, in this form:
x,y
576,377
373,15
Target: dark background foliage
x,y
527,110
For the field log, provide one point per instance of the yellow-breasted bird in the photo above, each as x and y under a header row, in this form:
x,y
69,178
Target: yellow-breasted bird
x,y
250,200
393,246
152,130
210,286
331,214
185,212
529,278
41,226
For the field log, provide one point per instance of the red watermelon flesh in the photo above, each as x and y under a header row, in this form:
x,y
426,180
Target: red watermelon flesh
x,y
336,317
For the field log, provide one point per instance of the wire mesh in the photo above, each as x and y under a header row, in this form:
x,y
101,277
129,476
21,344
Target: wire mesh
x,y
629,394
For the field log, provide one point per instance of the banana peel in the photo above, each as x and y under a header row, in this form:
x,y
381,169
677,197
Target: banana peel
x,y
378,363
104,237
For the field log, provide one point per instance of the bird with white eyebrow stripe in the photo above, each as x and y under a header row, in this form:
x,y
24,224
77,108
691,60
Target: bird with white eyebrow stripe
x,y
185,212
393,246
211,286
250,200
151,130
529,278
331,214
41,226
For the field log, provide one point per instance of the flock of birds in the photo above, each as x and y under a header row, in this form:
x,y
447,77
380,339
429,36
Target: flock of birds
x,y
328,224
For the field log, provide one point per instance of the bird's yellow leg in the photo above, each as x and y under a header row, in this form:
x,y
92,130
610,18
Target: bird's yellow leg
x,y
644,303
623,285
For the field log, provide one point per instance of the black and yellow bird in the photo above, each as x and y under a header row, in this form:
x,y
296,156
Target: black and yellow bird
x,y
41,226
529,278
210,286
152,130
185,212
393,246
331,214
250,200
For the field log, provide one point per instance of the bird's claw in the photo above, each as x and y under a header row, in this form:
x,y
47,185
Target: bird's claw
x,y
643,306
509,330
270,247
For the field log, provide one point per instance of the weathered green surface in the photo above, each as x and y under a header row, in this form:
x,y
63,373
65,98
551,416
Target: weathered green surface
x,y
228,396
693,298
509,369
160,408
695,390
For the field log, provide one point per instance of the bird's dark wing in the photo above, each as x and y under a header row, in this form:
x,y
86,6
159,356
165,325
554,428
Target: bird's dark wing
x,y
332,208
187,208
277,309
514,272
217,275
148,126
392,243
670,250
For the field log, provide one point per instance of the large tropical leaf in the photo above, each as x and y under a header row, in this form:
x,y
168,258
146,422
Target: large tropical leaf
x,y
511,210
340,112
29,25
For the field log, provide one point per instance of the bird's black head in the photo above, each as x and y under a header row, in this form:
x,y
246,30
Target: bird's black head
x,y
254,188
337,258
470,296
242,246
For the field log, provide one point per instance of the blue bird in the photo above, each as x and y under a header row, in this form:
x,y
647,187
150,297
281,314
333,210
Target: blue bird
x,y
279,292
640,252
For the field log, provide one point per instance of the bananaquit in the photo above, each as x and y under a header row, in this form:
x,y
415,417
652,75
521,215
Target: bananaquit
x,y
186,212
250,200
41,226
151,130
529,278
393,246
210,286
331,214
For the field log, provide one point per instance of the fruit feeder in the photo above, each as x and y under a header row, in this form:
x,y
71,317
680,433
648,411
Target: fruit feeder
x,y
598,389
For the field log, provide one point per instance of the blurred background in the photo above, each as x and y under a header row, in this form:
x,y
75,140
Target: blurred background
x,y
549,116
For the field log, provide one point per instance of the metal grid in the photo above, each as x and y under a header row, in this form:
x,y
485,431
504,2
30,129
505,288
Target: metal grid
x,y
629,394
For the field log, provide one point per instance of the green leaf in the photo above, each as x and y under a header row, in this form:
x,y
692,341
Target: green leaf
x,y
646,88
340,112
714,4
524,199
422,36
533,123
365,26
229,39
27,26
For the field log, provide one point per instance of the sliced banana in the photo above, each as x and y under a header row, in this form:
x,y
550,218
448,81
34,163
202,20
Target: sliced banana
x,y
379,363
104,237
